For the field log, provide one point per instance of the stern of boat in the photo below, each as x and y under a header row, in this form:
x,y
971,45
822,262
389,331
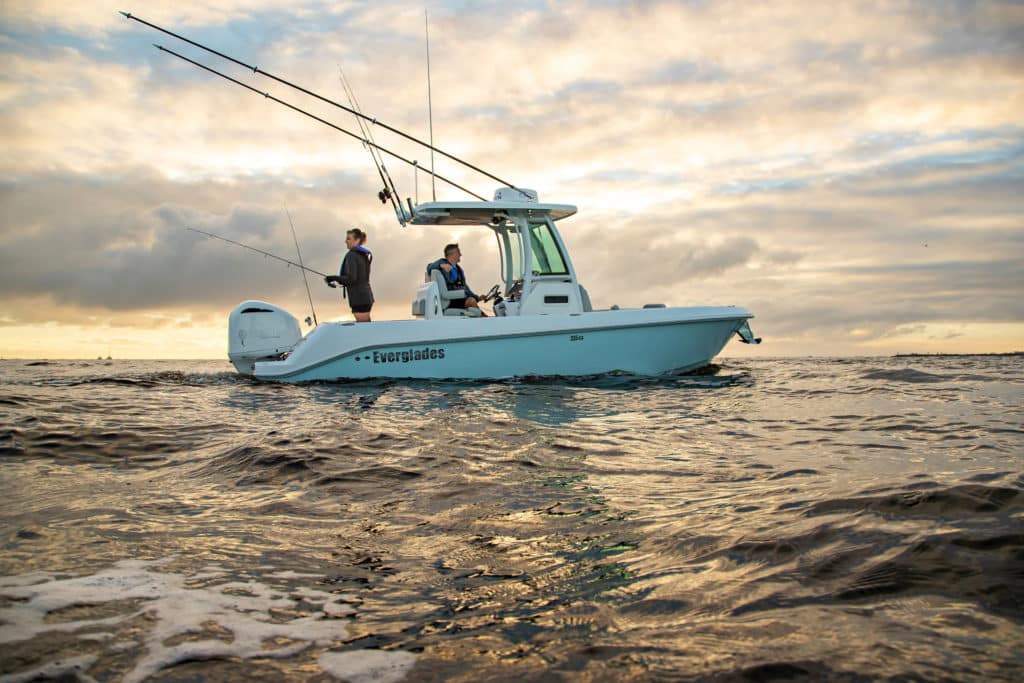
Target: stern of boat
x,y
258,331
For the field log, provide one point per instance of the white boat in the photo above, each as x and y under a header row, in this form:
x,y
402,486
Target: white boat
x,y
543,323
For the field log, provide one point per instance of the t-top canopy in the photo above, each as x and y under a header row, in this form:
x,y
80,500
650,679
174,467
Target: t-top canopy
x,y
484,213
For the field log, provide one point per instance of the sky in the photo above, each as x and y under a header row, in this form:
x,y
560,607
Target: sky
x,y
852,172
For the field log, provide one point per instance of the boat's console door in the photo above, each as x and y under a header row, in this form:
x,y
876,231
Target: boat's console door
x,y
551,296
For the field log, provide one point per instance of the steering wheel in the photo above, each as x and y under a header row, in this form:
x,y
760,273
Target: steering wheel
x,y
491,294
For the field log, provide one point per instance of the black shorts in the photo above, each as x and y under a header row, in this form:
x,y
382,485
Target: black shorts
x,y
458,303
363,308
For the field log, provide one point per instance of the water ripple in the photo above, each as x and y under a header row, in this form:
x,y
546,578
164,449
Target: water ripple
x,y
847,519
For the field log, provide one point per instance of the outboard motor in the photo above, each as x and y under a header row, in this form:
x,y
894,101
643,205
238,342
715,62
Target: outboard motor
x,y
260,331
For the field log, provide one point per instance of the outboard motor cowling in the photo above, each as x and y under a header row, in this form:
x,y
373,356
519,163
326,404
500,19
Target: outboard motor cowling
x,y
260,331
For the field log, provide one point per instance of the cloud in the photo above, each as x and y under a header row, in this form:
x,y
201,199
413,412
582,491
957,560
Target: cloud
x,y
123,244
100,17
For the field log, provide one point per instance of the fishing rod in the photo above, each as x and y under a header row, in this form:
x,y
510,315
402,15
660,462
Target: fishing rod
x,y
259,251
304,279
371,120
389,191
430,103
314,117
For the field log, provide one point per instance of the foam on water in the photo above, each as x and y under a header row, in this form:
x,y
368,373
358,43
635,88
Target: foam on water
x,y
367,666
241,613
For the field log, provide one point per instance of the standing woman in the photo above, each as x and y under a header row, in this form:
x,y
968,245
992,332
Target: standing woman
x,y
354,275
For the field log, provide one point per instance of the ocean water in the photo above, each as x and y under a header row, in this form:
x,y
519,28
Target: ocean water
x,y
771,519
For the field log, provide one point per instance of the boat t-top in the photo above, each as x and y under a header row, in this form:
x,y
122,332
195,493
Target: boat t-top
x,y
543,322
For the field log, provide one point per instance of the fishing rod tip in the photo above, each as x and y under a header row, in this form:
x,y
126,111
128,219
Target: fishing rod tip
x,y
126,14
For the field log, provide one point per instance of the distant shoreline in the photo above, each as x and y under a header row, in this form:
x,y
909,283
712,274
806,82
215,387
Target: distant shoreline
x,y
957,355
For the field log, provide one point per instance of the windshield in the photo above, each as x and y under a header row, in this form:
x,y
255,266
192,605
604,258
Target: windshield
x,y
547,258
511,254
517,258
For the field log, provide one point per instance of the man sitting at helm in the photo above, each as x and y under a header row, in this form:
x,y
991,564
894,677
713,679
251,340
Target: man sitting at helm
x,y
455,278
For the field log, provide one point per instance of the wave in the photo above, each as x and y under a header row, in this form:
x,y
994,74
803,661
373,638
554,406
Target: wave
x,y
904,375
967,498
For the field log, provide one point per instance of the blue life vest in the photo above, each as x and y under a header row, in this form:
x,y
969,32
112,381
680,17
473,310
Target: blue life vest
x,y
454,278
369,257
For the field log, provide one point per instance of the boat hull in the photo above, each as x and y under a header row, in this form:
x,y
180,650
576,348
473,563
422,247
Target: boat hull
x,y
639,341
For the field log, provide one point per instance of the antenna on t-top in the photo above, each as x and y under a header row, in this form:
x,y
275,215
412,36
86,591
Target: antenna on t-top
x,y
430,106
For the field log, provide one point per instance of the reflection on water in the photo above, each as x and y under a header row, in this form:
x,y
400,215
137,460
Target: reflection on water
x,y
801,518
